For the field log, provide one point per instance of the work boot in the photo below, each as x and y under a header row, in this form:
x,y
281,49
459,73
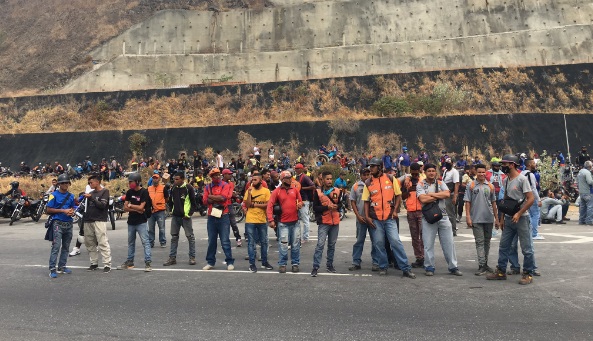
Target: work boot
x,y
172,261
497,275
419,263
192,260
526,278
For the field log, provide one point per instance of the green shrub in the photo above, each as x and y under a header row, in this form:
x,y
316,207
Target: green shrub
x,y
391,106
335,170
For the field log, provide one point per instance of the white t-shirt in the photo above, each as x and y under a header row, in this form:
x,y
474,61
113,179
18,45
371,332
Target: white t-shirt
x,y
255,151
451,176
219,161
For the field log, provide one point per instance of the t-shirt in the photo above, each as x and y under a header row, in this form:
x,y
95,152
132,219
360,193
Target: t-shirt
x,y
481,198
356,195
136,198
516,189
256,215
55,199
424,187
340,183
305,181
451,176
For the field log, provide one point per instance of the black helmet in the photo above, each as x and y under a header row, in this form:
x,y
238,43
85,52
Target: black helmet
x,y
14,184
135,177
375,162
510,158
63,178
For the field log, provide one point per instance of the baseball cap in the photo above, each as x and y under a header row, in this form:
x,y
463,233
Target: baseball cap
x,y
226,171
299,166
285,174
214,171
155,176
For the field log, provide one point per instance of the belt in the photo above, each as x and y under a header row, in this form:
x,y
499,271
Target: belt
x,y
63,223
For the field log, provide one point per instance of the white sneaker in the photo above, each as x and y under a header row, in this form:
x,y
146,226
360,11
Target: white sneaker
x,y
208,267
75,252
539,237
231,267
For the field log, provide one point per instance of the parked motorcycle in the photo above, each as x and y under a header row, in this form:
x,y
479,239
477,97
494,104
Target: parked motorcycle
x,y
200,207
118,205
6,206
111,212
24,208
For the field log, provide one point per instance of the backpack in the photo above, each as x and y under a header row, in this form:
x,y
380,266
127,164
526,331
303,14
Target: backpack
x,y
148,205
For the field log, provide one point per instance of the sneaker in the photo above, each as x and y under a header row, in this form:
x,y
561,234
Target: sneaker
x,y
151,245
208,267
561,222
282,269
252,268
246,257
239,243
409,274
497,275
375,267
455,233
163,245
106,269
513,272
93,267
540,237
267,266
382,272
75,252
429,273
566,218
295,268
354,267
171,261
127,265
230,267
192,260
526,279
330,268
456,272
536,273
314,272
64,270
419,263
53,273
147,267
482,270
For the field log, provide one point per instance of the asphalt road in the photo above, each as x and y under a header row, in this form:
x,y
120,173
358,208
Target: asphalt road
x,y
185,303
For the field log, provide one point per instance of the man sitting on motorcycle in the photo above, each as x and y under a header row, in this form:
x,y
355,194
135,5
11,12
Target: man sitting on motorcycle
x,y
15,191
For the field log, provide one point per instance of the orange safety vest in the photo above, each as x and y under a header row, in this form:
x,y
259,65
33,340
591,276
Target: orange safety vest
x,y
412,202
157,195
329,217
382,197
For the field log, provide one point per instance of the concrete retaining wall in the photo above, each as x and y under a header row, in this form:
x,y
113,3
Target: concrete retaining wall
x,y
341,38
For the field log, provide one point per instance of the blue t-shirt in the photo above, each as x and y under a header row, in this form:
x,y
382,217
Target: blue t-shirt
x,y
55,199
339,183
387,164
406,161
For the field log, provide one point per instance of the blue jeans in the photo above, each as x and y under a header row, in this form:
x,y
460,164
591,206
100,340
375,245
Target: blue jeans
x,y
62,237
219,228
142,230
255,233
514,254
522,231
157,218
534,213
289,233
388,228
586,209
445,232
329,232
304,219
361,233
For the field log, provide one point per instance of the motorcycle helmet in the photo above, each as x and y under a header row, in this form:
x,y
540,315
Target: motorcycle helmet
x,y
510,158
63,179
375,162
14,184
135,177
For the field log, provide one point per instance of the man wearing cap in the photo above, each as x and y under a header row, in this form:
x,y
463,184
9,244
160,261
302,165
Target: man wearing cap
x,y
516,187
404,161
307,188
361,224
287,199
227,176
218,195
382,196
61,208
95,230
159,194
452,181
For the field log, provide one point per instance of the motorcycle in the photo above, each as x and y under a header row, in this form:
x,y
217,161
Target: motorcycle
x,y
118,205
237,207
111,212
6,206
200,207
40,210
24,208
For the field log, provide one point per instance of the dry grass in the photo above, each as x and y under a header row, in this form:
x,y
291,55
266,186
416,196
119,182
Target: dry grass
x,y
34,190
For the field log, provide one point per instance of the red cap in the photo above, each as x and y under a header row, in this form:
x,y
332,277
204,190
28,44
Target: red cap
x,y
226,171
299,166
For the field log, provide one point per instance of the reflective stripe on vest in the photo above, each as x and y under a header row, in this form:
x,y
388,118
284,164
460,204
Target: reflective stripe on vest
x,y
382,196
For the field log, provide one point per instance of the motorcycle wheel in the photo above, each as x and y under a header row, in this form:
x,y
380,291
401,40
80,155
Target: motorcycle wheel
x,y
112,219
342,214
39,212
239,214
14,217
203,212
118,215
75,219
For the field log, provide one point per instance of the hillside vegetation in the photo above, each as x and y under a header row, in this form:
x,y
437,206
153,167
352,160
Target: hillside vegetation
x,y
45,43
565,89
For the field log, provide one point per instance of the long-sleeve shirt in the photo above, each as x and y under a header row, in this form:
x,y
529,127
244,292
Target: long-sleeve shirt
x,y
585,181
548,203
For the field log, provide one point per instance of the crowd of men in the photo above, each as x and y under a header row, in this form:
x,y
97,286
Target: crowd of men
x,y
503,196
